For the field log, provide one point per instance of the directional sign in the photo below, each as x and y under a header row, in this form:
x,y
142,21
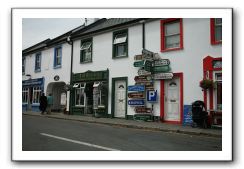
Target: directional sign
x,y
147,54
139,63
143,110
136,102
138,57
163,76
162,62
138,78
136,88
148,65
139,95
143,72
161,69
152,95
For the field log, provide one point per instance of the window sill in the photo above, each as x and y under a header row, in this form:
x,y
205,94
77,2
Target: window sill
x,y
118,57
37,70
57,67
85,62
171,49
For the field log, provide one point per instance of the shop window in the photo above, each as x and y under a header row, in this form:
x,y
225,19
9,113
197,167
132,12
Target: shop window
x,y
86,51
171,34
57,57
120,44
216,30
25,93
36,95
23,65
218,81
38,62
80,96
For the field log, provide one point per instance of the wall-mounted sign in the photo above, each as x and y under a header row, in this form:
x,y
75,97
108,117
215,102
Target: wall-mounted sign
x,y
161,62
152,95
137,102
161,69
148,65
139,95
163,76
139,63
142,72
143,110
56,78
147,54
136,88
33,82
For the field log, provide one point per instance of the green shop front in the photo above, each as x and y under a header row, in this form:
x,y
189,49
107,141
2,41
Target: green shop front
x,y
89,93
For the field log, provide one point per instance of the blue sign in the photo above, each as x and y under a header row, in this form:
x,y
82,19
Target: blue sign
x,y
136,88
187,120
152,95
136,102
33,82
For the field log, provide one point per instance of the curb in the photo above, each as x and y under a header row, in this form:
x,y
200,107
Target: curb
x,y
134,126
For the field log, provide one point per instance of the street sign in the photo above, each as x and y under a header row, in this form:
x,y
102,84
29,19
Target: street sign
x,y
161,62
136,88
161,69
143,72
136,102
139,95
139,63
143,110
143,78
152,95
147,54
163,76
138,57
148,65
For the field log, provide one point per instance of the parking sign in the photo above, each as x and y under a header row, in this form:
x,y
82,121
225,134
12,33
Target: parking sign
x,y
152,95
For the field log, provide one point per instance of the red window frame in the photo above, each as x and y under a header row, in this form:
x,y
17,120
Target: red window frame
x,y
212,32
162,23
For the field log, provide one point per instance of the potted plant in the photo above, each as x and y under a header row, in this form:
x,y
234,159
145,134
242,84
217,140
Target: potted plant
x,y
206,84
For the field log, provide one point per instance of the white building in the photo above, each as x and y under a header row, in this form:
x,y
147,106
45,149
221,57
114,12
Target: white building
x,y
101,58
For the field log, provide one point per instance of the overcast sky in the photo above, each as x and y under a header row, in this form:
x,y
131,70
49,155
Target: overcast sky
x,y
35,30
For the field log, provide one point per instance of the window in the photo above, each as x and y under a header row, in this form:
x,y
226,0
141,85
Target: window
x,y
36,94
25,93
38,62
171,34
80,96
120,44
216,30
218,94
57,57
23,65
86,51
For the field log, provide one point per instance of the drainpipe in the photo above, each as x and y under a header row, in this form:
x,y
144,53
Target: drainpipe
x,y
70,42
143,33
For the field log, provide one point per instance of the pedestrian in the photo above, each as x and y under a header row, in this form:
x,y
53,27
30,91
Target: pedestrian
x,y
49,103
43,103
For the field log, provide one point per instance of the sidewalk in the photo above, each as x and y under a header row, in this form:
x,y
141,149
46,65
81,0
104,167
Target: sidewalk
x,y
157,126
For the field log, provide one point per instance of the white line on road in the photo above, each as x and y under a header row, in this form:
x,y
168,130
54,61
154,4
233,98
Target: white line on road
x,y
79,142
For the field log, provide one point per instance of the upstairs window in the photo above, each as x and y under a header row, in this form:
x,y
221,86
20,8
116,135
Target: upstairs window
x,y
38,62
120,44
86,51
23,65
216,30
171,34
57,57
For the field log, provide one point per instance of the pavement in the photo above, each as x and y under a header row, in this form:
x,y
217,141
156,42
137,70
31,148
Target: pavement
x,y
156,126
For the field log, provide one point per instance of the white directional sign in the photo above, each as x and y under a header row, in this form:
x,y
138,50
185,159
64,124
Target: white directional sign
x,y
143,72
163,76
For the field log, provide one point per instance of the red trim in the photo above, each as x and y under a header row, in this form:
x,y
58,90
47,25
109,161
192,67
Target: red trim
x,y
211,91
212,32
162,93
162,31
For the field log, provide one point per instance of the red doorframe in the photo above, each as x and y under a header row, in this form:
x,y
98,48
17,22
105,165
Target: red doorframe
x,y
162,93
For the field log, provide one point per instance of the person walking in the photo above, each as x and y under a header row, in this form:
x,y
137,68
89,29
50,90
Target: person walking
x,y
43,103
49,103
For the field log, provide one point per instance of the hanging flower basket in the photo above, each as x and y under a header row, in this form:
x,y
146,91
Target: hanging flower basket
x,y
206,84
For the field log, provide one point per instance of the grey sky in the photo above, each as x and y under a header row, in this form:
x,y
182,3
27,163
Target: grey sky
x,y
35,30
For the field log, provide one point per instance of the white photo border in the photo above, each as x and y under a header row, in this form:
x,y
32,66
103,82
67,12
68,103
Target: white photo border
x,y
18,155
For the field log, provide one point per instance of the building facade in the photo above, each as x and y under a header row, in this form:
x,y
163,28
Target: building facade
x,y
135,67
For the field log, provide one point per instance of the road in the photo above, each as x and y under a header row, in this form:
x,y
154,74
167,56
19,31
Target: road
x,y
48,134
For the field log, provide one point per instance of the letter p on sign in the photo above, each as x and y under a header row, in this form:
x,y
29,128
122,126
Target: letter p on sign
x,y
152,95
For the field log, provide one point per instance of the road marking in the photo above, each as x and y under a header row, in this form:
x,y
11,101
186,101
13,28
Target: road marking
x,y
79,142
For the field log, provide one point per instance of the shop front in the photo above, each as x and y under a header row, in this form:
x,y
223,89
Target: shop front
x,y
89,93
31,92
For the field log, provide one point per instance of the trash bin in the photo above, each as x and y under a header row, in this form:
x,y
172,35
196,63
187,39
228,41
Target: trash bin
x,y
199,114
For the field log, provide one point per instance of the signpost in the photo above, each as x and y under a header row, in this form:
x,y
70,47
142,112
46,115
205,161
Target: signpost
x,y
143,78
162,62
147,54
136,88
163,76
143,72
161,69
148,65
139,63
138,57
136,102
143,110
139,95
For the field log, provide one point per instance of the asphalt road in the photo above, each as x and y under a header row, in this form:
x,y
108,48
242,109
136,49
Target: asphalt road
x,y
48,134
